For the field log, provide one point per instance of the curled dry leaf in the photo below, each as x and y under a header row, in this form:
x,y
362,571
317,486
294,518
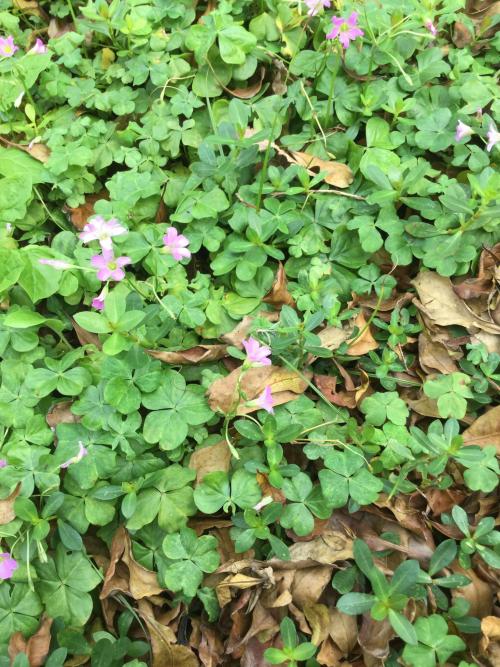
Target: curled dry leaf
x,y
478,593
241,331
81,214
60,413
318,617
472,288
286,385
40,152
434,356
337,173
210,459
195,355
37,646
279,294
485,430
490,642
374,638
250,91
125,574
438,300
364,340
7,513
166,652
30,7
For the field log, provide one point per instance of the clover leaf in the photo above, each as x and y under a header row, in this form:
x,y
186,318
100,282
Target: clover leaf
x,y
434,642
307,501
218,491
347,476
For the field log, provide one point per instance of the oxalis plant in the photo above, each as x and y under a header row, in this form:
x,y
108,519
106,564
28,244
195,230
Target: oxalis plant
x,y
249,333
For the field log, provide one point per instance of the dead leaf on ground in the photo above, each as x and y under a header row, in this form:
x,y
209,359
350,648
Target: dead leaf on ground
x,y
30,7
125,574
195,355
7,513
490,642
309,584
80,214
213,458
343,629
485,430
241,331
279,294
330,547
434,356
40,152
37,646
461,35
333,337
58,28
85,337
374,637
337,173
364,340
438,301
478,593
250,91
318,617
471,288
60,413
166,652
286,385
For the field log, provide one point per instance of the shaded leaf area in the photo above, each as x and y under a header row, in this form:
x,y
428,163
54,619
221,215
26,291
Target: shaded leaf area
x,y
249,333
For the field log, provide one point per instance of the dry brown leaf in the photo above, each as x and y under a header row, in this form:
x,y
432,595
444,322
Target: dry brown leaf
x,y
40,152
364,341
81,214
333,337
374,638
7,513
279,294
338,174
330,547
440,303
166,653
60,413
478,593
195,355
309,584
85,337
471,288
210,459
434,356
485,430
490,642
343,630
318,617
125,574
30,7
461,35
241,331
250,91
286,385
37,646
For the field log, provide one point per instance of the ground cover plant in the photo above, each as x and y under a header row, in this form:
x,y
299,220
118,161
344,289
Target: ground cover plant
x,y
250,333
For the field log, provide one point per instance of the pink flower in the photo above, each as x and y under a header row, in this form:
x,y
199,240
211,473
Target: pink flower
x,y
109,266
55,263
82,451
345,29
101,230
98,301
38,48
176,243
431,27
7,46
265,400
257,354
315,5
463,130
493,137
7,566
3,463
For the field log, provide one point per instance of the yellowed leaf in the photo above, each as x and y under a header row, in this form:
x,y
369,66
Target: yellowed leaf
x,y
210,459
364,342
318,617
337,173
40,152
166,652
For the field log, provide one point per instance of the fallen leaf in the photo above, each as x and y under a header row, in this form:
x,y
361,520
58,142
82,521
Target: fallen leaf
x,y
253,655
58,28
329,655
210,459
440,303
195,355
40,152
209,645
331,546
7,513
478,593
343,629
85,337
286,385
485,430
318,617
80,214
461,35
125,574
30,7
337,173
37,646
241,331
250,91
279,294
364,341
434,356
166,652
60,413
471,288
309,584
490,641
333,337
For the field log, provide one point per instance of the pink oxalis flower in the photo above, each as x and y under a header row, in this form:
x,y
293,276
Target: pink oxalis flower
x,y
7,47
98,229
265,400
315,5
345,29
3,463
82,451
463,130
176,244
38,48
7,566
98,301
257,354
55,263
493,137
431,28
109,267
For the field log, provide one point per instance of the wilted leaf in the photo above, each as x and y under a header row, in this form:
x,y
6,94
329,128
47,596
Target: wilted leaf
x,y
60,413
40,152
250,91
338,174
30,7
195,355
210,459
471,288
85,337
478,593
434,356
331,546
81,214
279,294
37,646
286,385
440,303
490,642
343,629
125,574
7,513
364,341
461,35
485,430
318,617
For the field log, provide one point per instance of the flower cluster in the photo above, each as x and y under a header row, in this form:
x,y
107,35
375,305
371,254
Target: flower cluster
x,y
8,47
258,355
